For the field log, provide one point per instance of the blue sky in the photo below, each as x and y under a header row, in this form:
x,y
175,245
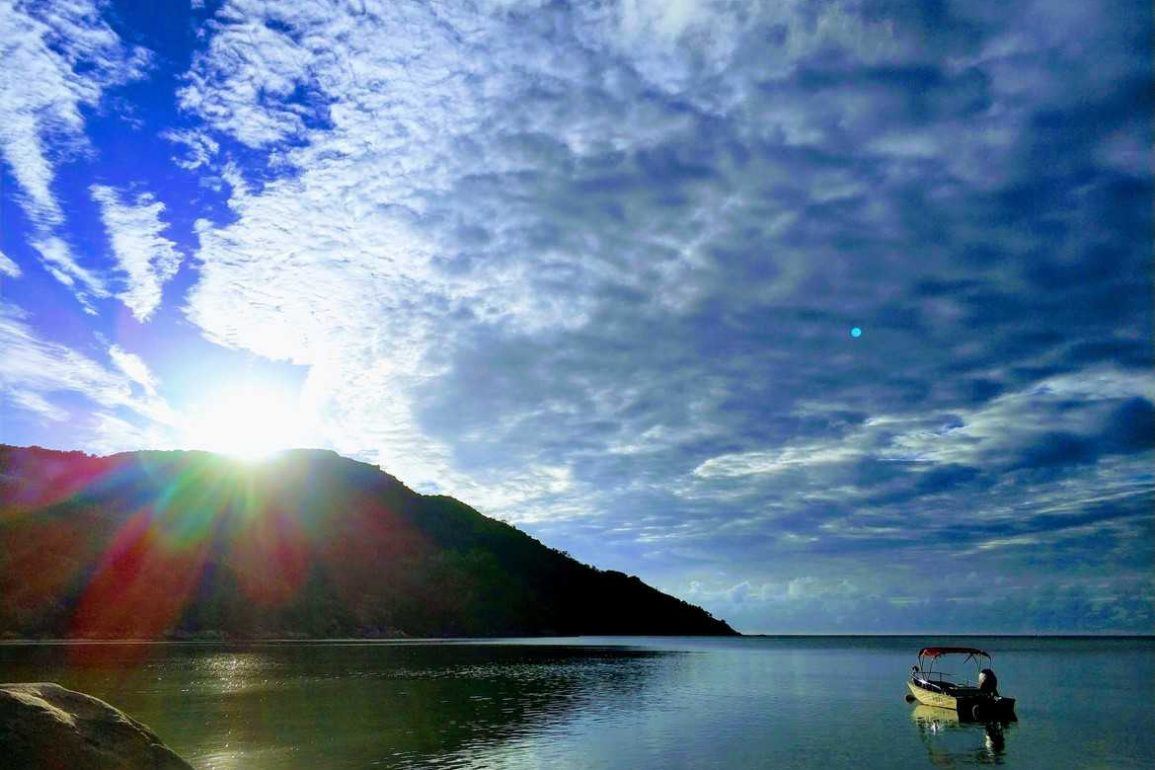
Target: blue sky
x,y
594,267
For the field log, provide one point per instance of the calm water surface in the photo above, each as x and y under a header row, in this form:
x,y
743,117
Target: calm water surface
x,y
610,702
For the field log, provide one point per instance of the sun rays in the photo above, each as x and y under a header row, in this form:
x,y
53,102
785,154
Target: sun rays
x,y
188,516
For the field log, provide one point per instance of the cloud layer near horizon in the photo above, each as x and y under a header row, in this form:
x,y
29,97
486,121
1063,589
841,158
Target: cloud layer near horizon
x,y
593,270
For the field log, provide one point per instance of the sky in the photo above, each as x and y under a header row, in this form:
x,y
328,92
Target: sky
x,y
829,317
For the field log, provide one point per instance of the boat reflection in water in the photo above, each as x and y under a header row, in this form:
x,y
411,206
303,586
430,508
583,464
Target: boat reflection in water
x,y
952,742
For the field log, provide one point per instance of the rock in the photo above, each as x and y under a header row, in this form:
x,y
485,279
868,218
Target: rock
x,y
44,725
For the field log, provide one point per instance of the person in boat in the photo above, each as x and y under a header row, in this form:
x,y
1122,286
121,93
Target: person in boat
x,y
989,683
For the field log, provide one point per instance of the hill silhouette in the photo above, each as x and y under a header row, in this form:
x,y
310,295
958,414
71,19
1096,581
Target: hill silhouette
x,y
186,544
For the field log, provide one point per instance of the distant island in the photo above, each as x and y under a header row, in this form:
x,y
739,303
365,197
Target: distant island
x,y
308,544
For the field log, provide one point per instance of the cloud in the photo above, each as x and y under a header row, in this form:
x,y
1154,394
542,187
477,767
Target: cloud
x,y
46,377
536,239
431,173
752,463
59,59
61,265
1070,418
145,256
37,404
8,267
1057,423
45,367
1016,606
200,149
134,367
259,108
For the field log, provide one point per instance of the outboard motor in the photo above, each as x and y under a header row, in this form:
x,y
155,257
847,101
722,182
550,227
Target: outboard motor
x,y
989,683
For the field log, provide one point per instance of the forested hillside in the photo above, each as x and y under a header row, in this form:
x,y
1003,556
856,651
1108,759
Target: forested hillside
x,y
307,544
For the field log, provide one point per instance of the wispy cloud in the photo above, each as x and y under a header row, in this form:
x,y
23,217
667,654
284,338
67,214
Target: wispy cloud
x,y
58,59
8,267
60,264
146,257
526,242
37,404
1092,411
135,367
753,463
47,377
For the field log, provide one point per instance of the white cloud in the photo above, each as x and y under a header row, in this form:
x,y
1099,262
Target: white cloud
x,y
135,367
669,18
200,148
1001,427
41,93
460,179
34,370
796,589
146,257
8,267
58,261
678,46
34,402
336,267
58,57
41,366
976,436
808,587
754,463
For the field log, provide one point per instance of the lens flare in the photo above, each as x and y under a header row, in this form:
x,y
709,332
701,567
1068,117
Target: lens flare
x,y
156,545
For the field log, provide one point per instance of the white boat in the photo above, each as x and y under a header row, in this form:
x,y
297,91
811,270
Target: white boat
x,y
979,700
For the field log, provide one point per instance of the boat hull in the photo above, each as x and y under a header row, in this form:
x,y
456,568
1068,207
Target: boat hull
x,y
931,698
968,707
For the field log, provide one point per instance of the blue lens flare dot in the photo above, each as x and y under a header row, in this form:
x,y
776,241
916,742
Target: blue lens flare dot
x,y
856,332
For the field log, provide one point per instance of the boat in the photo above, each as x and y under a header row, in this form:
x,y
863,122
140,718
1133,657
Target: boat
x,y
979,701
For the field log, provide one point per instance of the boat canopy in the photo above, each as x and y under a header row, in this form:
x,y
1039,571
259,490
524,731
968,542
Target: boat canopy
x,y
934,652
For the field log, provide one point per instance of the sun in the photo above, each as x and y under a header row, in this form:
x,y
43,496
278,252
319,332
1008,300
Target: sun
x,y
247,421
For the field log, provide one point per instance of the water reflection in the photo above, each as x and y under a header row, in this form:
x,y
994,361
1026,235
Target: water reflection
x,y
668,704
951,742
282,706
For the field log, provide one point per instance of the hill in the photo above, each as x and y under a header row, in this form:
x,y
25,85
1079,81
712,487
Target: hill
x,y
183,544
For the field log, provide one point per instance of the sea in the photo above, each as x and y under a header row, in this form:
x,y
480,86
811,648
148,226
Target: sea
x,y
612,703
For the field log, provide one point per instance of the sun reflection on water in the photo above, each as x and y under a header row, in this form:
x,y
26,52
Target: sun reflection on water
x,y
231,672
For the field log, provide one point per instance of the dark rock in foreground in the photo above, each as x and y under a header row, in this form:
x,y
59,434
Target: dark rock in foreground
x,y
47,726
190,545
